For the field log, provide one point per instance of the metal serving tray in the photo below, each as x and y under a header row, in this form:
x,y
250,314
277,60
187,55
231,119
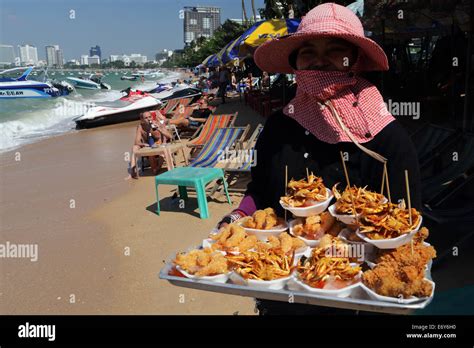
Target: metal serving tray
x,y
358,301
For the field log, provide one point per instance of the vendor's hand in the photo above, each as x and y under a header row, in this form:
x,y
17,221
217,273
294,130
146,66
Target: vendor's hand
x,y
223,226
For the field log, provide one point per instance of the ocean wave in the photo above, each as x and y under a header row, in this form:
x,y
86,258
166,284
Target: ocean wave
x,y
24,121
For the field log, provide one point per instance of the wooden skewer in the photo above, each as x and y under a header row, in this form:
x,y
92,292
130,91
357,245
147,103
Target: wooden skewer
x,y
286,184
408,196
383,181
349,185
387,181
307,174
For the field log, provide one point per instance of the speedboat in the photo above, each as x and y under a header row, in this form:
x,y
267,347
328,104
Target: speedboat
x,y
14,86
94,81
128,78
146,74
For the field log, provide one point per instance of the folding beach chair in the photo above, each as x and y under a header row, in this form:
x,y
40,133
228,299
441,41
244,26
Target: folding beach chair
x,y
246,159
205,132
222,140
169,106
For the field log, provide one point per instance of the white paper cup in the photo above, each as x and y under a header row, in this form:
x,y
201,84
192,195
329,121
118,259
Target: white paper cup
x,y
218,278
344,218
276,284
313,243
264,234
298,285
318,208
391,243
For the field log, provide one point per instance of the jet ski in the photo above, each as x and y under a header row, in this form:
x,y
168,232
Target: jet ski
x,y
121,111
129,78
159,88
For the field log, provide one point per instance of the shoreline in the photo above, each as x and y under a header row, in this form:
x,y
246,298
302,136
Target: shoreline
x,y
100,244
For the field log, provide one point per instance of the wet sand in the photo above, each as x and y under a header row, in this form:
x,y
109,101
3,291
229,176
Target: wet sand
x,y
100,245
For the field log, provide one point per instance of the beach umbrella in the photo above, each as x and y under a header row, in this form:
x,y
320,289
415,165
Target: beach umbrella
x,y
211,61
260,33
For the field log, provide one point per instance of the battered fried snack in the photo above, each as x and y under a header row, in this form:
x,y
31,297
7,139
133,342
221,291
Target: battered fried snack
x,y
284,242
205,262
314,227
404,256
262,265
365,201
305,192
394,280
392,221
233,238
323,271
263,220
401,272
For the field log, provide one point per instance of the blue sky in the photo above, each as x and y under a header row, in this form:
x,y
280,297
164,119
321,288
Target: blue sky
x,y
118,26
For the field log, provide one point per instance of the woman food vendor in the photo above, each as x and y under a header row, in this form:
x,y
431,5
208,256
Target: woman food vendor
x,y
335,110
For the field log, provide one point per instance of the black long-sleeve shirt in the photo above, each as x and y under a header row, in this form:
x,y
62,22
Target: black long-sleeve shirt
x,y
284,141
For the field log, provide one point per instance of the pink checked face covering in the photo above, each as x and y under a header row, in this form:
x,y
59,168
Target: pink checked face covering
x,y
358,103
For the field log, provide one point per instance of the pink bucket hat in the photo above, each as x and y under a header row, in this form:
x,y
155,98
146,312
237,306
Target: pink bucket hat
x,y
326,20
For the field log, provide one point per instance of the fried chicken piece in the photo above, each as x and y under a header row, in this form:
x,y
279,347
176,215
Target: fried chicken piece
x,y
262,246
274,242
187,261
259,218
248,243
218,265
238,235
249,223
297,243
422,254
286,242
270,211
204,258
270,221
394,280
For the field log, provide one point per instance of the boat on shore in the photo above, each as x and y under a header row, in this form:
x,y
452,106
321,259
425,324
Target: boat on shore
x,y
129,107
14,83
94,81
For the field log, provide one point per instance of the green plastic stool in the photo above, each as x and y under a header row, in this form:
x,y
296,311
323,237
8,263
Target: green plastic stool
x,y
191,176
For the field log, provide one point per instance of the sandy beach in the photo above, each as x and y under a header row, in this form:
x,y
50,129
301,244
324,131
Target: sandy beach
x,y
100,245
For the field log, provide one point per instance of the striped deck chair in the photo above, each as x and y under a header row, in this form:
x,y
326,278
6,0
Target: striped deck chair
x,y
169,106
246,160
222,139
206,131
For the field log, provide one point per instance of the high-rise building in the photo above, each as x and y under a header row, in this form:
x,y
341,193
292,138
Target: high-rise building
x,y
95,51
59,57
200,21
54,56
7,55
51,55
28,54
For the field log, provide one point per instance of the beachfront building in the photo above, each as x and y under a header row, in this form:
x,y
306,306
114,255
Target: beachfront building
x,y
95,51
163,56
7,55
127,59
94,60
28,55
84,59
54,56
200,21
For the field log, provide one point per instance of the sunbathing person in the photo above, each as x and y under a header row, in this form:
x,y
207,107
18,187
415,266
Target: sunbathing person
x,y
198,117
148,133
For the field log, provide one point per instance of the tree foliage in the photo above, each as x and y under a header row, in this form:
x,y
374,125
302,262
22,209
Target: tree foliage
x,y
202,47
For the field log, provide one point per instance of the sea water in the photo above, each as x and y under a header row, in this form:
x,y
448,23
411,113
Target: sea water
x,y
24,120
